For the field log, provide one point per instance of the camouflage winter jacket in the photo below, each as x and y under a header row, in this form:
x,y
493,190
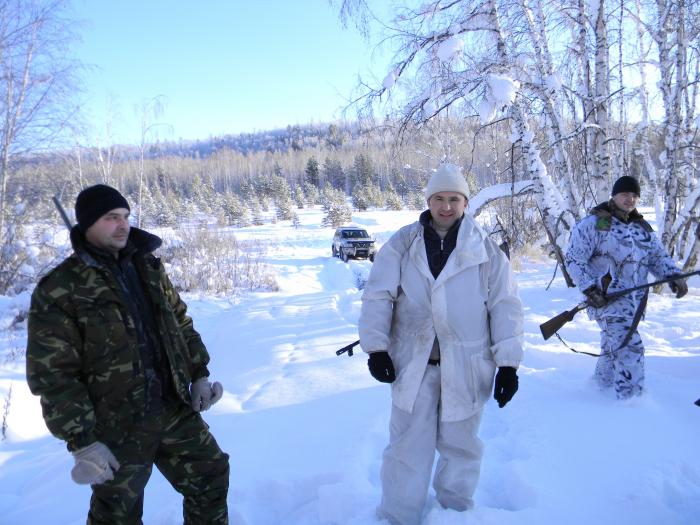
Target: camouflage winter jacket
x,y
614,251
82,350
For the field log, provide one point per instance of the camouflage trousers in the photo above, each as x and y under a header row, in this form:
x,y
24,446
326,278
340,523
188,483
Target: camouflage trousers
x,y
621,368
178,442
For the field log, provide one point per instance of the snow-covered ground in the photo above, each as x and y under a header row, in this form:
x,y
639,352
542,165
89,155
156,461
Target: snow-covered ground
x,y
305,429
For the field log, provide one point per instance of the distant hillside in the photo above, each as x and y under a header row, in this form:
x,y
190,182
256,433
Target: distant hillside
x,y
294,138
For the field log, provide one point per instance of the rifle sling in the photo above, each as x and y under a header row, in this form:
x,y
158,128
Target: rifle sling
x,y
573,349
635,321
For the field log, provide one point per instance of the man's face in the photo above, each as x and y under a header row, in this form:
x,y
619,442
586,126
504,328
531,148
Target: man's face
x,y
446,207
626,201
110,232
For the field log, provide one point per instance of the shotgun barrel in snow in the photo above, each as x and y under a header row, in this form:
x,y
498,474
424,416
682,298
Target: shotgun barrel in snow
x,y
549,328
348,349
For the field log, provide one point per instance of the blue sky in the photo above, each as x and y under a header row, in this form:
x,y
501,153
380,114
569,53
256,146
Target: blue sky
x,y
222,66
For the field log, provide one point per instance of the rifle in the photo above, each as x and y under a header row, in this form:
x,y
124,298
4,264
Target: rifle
x,y
62,212
549,328
348,349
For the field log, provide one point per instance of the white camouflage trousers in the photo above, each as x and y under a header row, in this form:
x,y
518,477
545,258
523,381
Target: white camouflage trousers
x,y
621,368
408,459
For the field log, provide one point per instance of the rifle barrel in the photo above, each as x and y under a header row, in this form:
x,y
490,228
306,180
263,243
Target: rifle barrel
x,y
620,293
347,349
549,328
62,212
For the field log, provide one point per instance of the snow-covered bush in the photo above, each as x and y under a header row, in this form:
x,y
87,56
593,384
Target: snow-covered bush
x,y
415,200
337,212
29,249
392,200
235,211
367,196
213,261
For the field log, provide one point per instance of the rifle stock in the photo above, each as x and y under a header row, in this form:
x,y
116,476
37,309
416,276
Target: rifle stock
x,y
549,328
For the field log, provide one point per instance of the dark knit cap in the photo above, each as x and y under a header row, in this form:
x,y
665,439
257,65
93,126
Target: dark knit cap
x,y
626,184
93,202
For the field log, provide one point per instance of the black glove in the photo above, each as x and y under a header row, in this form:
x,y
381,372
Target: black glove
x,y
506,385
381,367
596,297
679,287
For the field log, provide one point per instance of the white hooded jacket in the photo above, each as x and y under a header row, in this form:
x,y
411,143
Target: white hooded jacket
x,y
472,307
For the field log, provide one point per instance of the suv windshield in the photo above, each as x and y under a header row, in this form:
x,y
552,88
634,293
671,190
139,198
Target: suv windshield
x,y
354,234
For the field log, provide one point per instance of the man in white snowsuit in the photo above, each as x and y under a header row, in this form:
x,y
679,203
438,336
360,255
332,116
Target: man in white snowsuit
x,y
440,312
610,250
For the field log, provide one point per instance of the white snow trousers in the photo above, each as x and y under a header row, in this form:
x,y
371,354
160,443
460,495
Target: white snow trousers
x,y
408,459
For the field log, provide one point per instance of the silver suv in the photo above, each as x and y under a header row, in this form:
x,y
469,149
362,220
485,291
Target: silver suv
x,y
351,241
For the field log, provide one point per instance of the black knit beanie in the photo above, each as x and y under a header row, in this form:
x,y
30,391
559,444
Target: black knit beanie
x,y
626,184
93,202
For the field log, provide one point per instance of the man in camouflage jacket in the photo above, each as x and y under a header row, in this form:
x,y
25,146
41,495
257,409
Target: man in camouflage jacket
x,y
121,372
610,250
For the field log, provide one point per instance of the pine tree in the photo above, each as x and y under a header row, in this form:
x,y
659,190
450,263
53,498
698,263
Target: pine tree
x,y
311,194
247,191
362,173
264,189
235,212
333,173
392,200
366,196
360,199
148,209
203,194
415,200
256,212
337,212
312,172
166,210
299,197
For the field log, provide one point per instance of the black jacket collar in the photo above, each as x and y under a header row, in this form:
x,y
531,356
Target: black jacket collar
x,y
140,243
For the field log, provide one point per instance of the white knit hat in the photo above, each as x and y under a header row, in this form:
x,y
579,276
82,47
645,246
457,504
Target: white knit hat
x,y
447,178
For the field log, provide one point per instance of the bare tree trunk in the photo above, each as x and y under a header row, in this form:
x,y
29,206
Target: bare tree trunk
x,y
550,201
601,178
588,107
644,131
545,67
620,160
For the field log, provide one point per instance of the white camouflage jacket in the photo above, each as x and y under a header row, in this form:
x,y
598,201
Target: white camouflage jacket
x,y
472,307
601,244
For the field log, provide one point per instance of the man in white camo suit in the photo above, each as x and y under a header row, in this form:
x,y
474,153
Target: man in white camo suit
x,y
612,249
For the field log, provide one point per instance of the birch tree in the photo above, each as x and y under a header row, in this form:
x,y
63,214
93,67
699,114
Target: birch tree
x,y
547,68
37,92
37,81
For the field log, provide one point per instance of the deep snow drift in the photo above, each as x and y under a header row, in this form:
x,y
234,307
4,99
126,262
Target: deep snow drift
x,y
305,429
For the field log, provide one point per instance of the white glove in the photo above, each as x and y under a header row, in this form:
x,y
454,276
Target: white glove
x,y
94,464
204,394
